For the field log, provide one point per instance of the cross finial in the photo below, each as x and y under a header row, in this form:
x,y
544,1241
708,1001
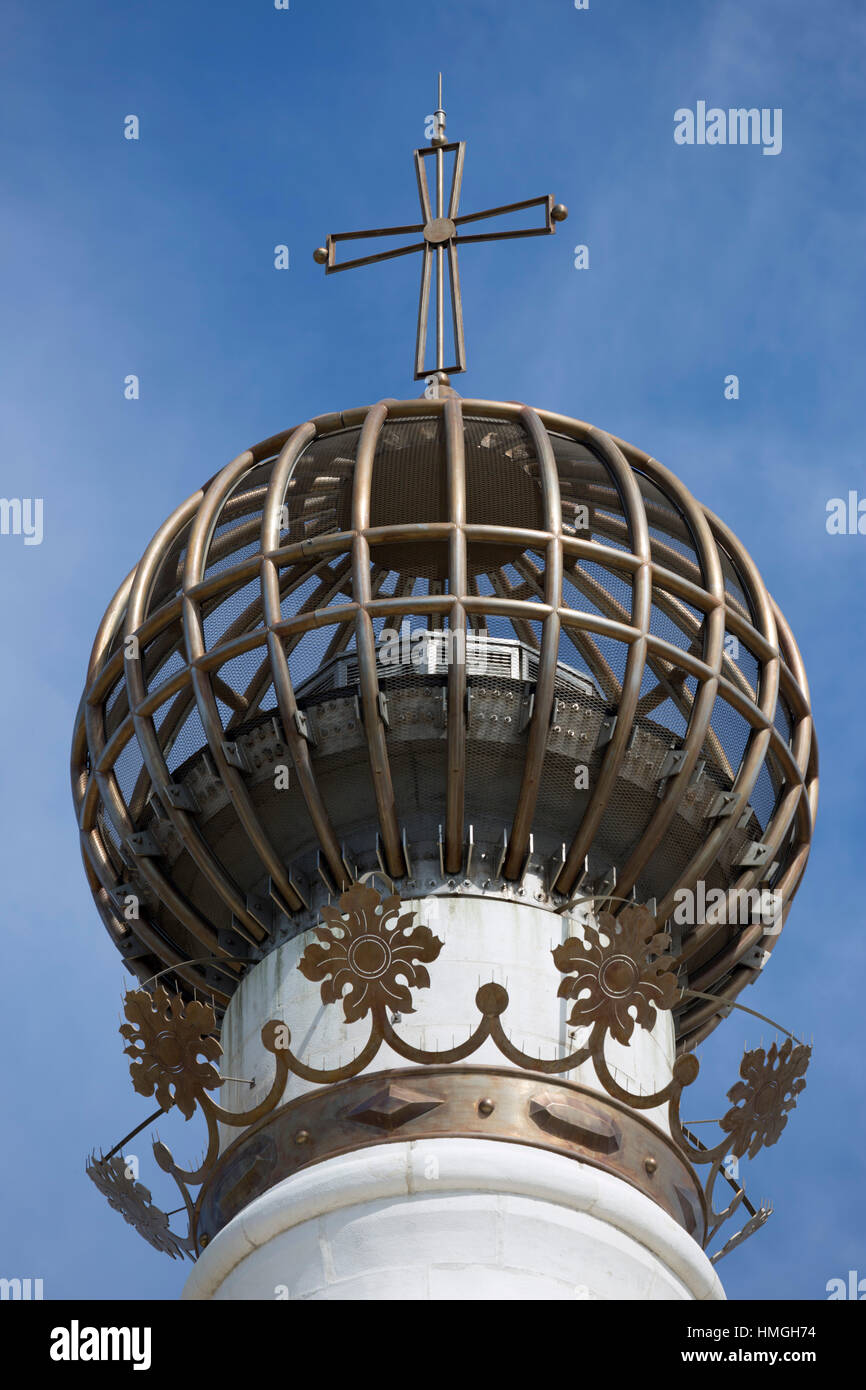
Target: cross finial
x,y
441,235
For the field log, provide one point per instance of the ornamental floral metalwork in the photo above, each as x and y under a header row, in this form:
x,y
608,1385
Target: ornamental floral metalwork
x,y
623,981
133,1200
167,1037
369,955
771,1082
362,956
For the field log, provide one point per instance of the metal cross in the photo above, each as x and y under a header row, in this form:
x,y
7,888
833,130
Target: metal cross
x,y
441,235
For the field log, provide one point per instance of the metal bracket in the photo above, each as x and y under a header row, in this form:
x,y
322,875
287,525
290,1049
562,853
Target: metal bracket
x,y
606,731
756,958
606,886
349,863
235,940
530,862
261,909
470,846
278,900
406,859
177,795
672,764
527,709
556,864
559,864
143,845
234,755
697,772
722,805
754,855
303,726
131,888
324,873
500,863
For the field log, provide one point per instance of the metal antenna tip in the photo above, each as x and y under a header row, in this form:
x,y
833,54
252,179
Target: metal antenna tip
x,y
439,137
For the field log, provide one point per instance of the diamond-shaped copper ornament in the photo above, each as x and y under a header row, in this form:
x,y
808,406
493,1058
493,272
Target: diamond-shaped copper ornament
x,y
392,1107
574,1122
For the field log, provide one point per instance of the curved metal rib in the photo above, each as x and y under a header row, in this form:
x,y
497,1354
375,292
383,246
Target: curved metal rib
x,y
283,685
365,642
518,840
196,560
605,449
456,724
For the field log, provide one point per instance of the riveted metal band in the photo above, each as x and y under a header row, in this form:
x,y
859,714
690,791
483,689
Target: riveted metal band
x,y
451,1102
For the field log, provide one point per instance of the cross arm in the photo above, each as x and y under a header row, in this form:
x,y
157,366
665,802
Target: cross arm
x,y
552,216
326,255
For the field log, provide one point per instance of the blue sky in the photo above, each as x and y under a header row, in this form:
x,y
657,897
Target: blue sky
x,y
155,257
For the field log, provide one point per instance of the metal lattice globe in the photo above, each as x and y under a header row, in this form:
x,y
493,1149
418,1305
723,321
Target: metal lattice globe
x,y
276,701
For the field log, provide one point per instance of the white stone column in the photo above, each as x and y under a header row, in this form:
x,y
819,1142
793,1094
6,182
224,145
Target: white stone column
x,y
447,1217
453,1219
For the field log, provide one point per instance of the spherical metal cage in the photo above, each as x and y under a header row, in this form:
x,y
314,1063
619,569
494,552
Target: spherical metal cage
x,y
630,711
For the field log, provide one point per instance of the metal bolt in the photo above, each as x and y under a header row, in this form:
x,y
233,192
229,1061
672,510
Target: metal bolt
x,y
650,1164
204,1240
302,1136
486,1106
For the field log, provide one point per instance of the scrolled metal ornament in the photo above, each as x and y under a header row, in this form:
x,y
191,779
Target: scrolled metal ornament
x,y
133,1200
369,956
166,1039
771,1082
360,957
618,970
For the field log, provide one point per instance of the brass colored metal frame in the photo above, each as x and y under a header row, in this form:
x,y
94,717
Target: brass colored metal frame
x,y
128,700
440,237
